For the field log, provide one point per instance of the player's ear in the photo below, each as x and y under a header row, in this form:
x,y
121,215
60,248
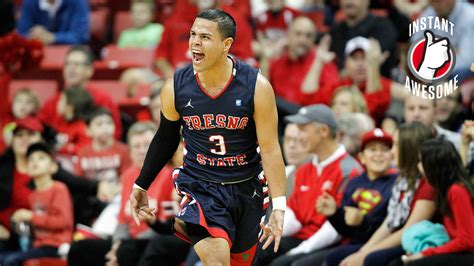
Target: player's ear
x,y
228,43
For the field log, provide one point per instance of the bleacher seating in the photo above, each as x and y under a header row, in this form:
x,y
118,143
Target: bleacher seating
x,y
43,88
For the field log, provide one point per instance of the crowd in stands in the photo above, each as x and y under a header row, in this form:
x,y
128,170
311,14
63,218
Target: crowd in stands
x,y
375,174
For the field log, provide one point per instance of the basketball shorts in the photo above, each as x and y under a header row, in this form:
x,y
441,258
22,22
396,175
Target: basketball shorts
x,y
230,211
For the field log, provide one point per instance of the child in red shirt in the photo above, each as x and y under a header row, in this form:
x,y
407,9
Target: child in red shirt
x,y
444,170
104,158
51,214
73,107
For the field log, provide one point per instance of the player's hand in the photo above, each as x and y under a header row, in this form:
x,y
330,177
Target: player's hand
x,y
326,204
139,205
353,216
273,229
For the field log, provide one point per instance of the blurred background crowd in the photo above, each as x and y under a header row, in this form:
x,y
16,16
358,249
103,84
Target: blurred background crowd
x,y
81,81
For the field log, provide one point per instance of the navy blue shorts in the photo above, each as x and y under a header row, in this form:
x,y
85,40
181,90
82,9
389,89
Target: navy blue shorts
x,y
231,211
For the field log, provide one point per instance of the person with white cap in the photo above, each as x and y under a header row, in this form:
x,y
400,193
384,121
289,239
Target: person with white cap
x,y
362,65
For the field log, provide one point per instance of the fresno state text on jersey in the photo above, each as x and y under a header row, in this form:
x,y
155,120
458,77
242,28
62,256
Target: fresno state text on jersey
x,y
219,131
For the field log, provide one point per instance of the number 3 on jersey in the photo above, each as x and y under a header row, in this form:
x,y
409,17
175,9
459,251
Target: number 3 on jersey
x,y
220,145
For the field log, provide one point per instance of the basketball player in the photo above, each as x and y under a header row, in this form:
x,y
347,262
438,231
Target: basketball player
x,y
229,119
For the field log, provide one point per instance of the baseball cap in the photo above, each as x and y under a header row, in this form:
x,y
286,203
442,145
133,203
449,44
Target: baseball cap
x,y
376,135
29,123
357,43
40,146
319,113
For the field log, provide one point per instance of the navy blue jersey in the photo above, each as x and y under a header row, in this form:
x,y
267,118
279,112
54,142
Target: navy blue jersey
x,y
219,132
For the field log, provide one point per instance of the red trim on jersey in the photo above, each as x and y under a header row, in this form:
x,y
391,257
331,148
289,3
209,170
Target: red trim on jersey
x,y
226,85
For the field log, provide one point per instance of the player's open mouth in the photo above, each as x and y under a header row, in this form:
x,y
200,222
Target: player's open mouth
x,y
198,57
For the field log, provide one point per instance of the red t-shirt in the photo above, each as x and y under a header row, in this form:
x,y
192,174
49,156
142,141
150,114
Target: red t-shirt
x,y
49,115
107,164
274,25
159,197
377,102
460,224
53,217
424,192
19,198
287,76
74,132
309,185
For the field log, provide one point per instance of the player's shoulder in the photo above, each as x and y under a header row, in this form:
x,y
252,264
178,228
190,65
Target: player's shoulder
x,y
183,75
245,74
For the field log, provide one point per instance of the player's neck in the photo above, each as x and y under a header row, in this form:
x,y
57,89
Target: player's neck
x,y
217,76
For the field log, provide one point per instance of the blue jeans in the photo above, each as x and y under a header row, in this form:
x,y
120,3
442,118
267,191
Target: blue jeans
x,y
338,254
16,258
384,256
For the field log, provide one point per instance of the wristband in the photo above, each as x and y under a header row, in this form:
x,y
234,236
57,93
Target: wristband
x,y
279,203
138,187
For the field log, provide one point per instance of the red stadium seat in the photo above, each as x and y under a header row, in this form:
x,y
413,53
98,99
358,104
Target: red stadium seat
x,y
54,56
122,21
98,23
43,88
45,262
115,89
114,56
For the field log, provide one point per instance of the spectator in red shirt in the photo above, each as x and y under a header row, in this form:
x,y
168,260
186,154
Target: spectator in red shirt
x,y
152,113
25,103
14,191
329,171
442,165
302,69
77,71
173,51
412,200
362,68
272,26
50,212
160,194
104,158
73,107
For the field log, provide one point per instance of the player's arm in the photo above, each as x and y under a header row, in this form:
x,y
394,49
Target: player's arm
x,y
165,141
266,121
160,151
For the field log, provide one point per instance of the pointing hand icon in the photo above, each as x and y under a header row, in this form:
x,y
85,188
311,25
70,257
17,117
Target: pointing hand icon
x,y
435,55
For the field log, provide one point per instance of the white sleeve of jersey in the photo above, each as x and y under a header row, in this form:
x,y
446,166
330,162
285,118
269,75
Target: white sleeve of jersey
x,y
291,225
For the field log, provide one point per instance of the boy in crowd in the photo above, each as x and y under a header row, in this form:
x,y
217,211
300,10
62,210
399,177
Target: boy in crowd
x,y
104,158
51,214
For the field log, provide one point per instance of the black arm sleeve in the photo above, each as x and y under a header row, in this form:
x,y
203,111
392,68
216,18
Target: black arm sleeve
x,y
161,150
